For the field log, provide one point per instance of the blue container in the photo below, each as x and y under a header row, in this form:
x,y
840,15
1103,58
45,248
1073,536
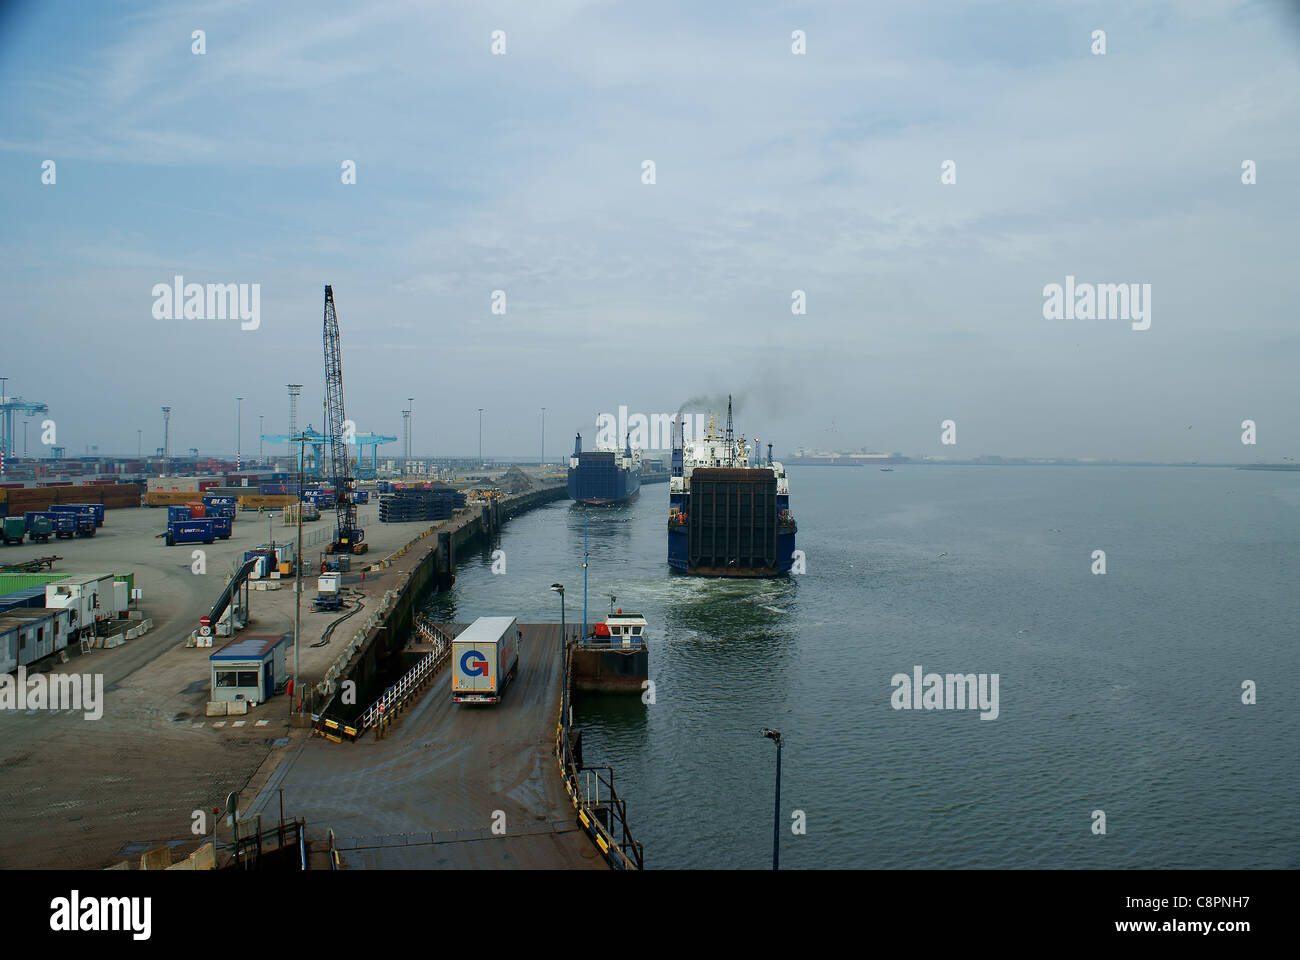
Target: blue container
x,y
222,526
221,501
191,531
177,515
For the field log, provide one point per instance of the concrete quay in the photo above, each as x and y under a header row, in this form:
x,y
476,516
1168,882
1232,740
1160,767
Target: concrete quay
x,y
79,791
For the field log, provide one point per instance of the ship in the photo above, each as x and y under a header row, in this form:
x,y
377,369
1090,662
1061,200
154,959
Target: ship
x,y
728,513
603,477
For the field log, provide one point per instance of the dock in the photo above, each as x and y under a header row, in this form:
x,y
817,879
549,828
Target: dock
x,y
447,786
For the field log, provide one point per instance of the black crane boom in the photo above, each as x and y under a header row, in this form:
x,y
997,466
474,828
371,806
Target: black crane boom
x,y
348,538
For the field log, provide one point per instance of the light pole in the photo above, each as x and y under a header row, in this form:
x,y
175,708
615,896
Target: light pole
x,y
139,444
775,735
564,669
301,440
410,438
25,422
239,428
259,436
480,436
585,555
543,436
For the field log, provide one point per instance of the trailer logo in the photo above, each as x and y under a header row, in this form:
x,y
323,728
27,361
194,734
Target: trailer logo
x,y
475,667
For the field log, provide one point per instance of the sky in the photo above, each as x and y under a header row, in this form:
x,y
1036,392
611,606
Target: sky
x,y
774,172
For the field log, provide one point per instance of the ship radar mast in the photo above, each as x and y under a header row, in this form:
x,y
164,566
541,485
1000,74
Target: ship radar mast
x,y
731,437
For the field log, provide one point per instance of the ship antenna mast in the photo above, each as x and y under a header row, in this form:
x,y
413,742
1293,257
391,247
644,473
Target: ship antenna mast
x,y
730,433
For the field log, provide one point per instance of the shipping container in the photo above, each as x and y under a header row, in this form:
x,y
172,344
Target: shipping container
x,y
197,510
177,514
222,526
190,531
33,596
95,509
65,526
9,582
484,660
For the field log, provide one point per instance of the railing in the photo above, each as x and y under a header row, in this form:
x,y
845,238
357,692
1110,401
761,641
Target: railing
x,y
380,713
599,819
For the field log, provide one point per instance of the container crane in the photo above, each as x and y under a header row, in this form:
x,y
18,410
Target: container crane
x,y
348,538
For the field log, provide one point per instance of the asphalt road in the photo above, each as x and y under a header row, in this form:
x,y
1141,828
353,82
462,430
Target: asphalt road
x,y
429,793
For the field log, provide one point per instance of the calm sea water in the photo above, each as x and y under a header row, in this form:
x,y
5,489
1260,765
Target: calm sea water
x,y
1119,693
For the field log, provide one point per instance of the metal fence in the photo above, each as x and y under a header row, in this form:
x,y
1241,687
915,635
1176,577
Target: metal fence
x,y
380,713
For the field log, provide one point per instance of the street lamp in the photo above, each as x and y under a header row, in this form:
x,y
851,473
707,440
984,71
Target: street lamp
x,y
543,437
564,669
239,428
775,735
259,436
301,440
480,436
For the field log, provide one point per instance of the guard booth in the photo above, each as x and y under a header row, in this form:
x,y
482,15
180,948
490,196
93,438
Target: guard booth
x,y
249,669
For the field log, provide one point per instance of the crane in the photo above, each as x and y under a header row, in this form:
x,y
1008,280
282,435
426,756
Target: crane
x,y
348,538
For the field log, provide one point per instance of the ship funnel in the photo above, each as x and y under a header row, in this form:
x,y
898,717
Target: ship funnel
x,y
577,445
675,464
769,454
627,445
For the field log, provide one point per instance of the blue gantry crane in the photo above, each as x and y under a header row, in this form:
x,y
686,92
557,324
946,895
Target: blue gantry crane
x,y
8,407
317,442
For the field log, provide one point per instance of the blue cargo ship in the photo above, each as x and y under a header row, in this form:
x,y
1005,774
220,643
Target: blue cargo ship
x,y
728,514
602,477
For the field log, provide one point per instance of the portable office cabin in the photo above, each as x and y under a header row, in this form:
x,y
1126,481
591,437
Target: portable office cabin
x,y
249,669
91,598
28,635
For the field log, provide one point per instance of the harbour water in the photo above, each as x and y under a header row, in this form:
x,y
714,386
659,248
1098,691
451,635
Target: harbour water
x,y
1119,692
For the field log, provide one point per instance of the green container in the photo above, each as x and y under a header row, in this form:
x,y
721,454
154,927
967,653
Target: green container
x,y
130,582
11,582
13,527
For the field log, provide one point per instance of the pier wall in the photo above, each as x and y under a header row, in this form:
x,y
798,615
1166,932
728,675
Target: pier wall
x,y
387,621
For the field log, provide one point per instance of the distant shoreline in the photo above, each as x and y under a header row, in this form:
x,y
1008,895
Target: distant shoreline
x,y
1017,462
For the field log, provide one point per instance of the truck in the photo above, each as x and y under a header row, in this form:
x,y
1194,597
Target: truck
x,y
96,508
85,523
86,519
40,525
190,531
14,529
65,526
484,659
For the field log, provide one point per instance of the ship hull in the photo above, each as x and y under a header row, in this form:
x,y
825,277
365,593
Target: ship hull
x,y
599,481
732,523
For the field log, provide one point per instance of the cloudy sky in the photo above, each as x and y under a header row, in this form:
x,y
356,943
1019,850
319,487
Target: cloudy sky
x,y
774,172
